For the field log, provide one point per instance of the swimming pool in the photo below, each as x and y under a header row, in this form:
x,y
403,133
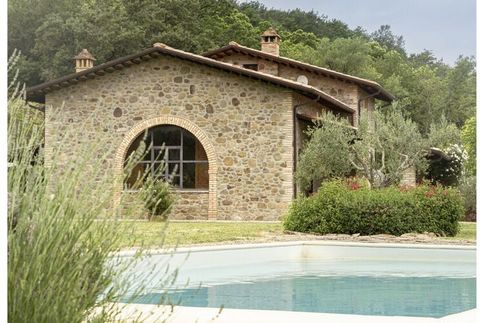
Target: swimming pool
x,y
342,278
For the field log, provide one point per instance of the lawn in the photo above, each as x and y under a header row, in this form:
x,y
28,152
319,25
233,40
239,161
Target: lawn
x,y
192,232
150,234
468,231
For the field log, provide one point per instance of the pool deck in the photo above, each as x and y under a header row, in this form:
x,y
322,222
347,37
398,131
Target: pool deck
x,y
181,314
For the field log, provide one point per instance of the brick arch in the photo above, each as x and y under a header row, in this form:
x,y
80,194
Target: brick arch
x,y
202,137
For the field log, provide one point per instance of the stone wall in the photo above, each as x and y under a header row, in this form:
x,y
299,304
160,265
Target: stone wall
x,y
343,91
188,205
346,92
248,124
409,177
240,59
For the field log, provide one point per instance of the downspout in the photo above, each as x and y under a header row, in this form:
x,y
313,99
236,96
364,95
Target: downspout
x,y
295,155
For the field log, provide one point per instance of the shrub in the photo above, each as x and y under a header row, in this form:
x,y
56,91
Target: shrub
x,y
340,207
467,188
62,232
154,191
469,141
157,197
448,171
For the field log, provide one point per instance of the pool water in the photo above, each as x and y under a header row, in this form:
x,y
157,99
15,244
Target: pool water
x,y
402,296
314,277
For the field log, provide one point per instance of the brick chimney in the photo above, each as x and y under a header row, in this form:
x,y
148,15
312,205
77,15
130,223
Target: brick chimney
x,y
271,42
84,60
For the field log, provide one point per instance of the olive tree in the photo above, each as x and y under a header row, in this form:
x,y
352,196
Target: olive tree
x,y
381,149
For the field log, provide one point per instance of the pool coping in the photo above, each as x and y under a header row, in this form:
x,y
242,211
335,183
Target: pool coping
x,y
181,314
182,250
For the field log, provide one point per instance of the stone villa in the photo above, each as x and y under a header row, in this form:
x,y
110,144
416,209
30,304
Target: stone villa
x,y
231,120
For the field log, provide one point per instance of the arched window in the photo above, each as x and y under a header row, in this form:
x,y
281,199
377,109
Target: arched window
x,y
177,151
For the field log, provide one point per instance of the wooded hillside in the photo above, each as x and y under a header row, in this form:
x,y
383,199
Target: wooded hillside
x,y
50,32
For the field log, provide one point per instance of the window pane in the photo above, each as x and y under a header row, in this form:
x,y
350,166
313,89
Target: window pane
x,y
189,175
168,135
159,169
136,174
200,153
173,169
188,146
147,155
175,181
174,154
136,150
158,154
195,175
193,149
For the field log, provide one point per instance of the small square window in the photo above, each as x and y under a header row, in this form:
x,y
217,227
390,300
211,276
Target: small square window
x,y
251,66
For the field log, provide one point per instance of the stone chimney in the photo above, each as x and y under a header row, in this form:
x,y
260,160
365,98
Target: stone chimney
x,y
271,42
84,60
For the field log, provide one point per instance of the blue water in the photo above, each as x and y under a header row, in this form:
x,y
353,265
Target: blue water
x,y
367,295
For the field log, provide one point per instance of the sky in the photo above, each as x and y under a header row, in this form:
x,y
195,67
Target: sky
x,y
446,27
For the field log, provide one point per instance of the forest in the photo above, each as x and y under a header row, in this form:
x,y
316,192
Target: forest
x,y
48,33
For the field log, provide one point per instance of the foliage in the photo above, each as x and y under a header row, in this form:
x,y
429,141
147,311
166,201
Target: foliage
x,y
387,39
325,154
448,169
51,32
347,209
467,188
443,134
157,197
153,190
381,156
469,142
62,229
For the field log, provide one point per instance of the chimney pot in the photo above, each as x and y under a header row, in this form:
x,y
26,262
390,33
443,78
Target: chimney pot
x,y
83,61
271,42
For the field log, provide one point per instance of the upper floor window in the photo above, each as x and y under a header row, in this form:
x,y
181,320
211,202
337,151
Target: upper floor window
x,y
251,66
175,154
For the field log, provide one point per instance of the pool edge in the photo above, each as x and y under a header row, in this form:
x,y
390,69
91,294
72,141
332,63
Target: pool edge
x,y
180,314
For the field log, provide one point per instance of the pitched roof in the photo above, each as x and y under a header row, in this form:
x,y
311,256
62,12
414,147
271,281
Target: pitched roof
x,y
370,87
36,93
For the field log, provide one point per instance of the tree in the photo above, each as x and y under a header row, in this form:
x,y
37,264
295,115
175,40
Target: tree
x,y
443,134
326,154
385,37
460,103
468,136
381,149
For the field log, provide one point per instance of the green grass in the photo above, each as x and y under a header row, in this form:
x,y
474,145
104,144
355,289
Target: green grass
x,y
150,234
188,233
468,231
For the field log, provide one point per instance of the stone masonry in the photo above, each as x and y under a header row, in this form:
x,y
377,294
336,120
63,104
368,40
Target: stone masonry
x,y
245,119
249,124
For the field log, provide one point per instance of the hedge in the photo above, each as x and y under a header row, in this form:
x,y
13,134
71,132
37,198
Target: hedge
x,y
350,208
